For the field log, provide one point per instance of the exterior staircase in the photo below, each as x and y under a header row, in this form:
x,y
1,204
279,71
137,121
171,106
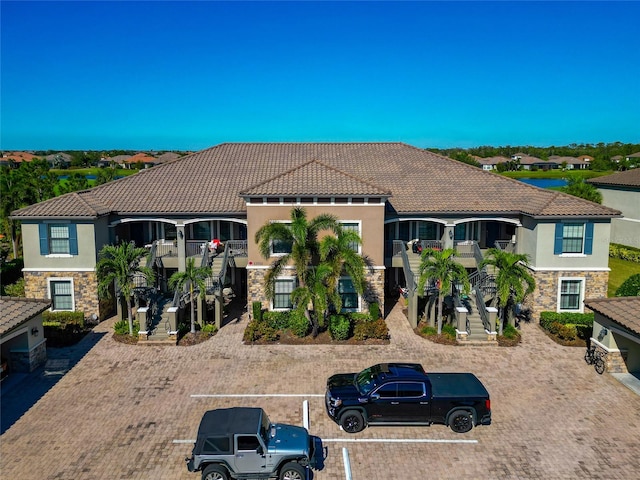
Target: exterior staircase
x,y
158,329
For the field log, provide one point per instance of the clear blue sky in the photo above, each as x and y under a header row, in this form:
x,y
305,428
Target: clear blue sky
x,y
189,75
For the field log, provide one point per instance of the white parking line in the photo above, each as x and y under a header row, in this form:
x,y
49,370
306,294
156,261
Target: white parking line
x,y
394,440
257,395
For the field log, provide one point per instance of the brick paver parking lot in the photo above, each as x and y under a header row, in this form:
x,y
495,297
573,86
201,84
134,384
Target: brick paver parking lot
x,y
125,412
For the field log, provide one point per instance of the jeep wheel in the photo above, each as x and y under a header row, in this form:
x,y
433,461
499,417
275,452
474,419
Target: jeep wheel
x,y
293,471
215,472
352,422
461,421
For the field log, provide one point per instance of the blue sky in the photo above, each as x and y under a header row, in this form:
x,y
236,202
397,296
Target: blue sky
x,y
189,75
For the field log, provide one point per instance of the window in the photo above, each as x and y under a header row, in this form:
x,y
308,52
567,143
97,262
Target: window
x,y
573,238
282,293
215,445
61,294
248,443
58,239
281,247
352,227
388,391
348,294
410,389
571,294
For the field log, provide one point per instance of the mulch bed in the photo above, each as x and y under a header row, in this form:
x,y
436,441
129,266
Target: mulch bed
x,y
578,342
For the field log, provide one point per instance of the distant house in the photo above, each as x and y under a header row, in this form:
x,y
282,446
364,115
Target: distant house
x,y
491,163
616,332
167,157
58,160
572,163
117,160
633,159
140,158
22,344
527,162
17,157
621,191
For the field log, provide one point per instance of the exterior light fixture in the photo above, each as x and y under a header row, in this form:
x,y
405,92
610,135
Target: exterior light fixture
x,y
450,234
35,331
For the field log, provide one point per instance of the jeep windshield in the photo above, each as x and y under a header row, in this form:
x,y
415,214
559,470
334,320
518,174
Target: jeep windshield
x,y
265,427
365,380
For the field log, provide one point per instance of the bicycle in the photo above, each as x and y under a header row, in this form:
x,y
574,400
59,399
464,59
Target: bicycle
x,y
596,358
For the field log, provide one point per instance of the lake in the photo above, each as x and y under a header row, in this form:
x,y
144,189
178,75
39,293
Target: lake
x,y
545,182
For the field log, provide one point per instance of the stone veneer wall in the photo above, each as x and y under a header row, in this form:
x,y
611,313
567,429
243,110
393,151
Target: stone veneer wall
x,y
85,289
545,296
255,289
26,362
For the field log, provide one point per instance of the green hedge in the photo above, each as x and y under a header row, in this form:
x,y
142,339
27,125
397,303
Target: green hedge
x,y
568,326
624,252
63,318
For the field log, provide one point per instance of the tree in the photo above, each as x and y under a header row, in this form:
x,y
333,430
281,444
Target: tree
x,y
577,187
74,183
192,278
121,264
441,267
630,287
12,197
513,281
105,175
301,235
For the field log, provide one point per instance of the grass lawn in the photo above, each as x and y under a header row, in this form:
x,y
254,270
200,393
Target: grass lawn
x,y
620,271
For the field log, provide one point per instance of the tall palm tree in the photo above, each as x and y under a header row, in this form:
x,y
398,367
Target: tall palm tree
x,y
340,253
316,293
121,264
192,278
513,280
302,235
440,266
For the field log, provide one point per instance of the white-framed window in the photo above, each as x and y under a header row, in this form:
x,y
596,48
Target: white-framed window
x,y
282,293
281,247
349,296
58,239
353,227
573,238
61,294
571,294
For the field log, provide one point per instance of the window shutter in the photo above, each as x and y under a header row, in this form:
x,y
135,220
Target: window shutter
x,y
44,241
557,246
588,238
73,239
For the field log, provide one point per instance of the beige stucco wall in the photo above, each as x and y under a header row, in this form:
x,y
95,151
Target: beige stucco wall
x,y
86,257
537,241
371,218
628,202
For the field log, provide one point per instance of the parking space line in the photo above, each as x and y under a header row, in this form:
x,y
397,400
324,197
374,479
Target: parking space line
x,y
240,395
394,440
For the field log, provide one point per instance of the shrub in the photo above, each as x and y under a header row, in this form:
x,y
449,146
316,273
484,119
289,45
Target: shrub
x,y
429,331
630,287
276,320
256,308
15,289
298,323
372,329
567,332
64,318
122,328
209,328
339,327
260,331
510,332
547,318
357,317
449,331
374,310
624,252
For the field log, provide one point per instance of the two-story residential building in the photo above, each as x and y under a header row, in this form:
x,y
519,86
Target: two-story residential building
x,y
390,193
621,191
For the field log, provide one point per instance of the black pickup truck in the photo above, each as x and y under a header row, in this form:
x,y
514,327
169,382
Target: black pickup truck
x,y
404,394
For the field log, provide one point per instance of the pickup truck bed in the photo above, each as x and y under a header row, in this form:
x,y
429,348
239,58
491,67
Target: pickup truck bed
x,y
448,385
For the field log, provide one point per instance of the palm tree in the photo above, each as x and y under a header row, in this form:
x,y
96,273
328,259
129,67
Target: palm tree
x,y
440,266
302,236
316,293
340,253
192,278
513,280
121,264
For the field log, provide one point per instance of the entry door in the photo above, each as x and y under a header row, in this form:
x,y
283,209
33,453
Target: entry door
x,y
247,458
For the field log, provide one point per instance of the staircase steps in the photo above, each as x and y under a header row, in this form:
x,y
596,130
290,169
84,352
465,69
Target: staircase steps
x,y
158,334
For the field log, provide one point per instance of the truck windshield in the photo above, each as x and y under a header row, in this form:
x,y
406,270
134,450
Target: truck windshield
x,y
364,380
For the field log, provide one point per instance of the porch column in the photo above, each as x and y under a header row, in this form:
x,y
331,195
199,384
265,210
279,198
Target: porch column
x,y
412,309
218,308
182,248
449,235
202,310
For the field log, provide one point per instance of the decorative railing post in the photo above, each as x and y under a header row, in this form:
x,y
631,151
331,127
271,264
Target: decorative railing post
x,y
493,314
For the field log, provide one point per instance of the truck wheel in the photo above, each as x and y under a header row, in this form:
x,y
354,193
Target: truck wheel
x,y
293,471
214,472
461,421
352,422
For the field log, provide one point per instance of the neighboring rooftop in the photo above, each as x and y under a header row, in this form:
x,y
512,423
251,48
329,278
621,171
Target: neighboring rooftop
x,y
622,310
15,311
627,178
211,181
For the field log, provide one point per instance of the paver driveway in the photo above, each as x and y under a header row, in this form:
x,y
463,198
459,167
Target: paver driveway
x,y
121,412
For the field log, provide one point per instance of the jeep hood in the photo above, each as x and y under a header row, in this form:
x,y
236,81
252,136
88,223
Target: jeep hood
x,y
289,438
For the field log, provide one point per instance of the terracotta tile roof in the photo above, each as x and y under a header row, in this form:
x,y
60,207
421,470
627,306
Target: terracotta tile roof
x,y
419,181
141,157
622,310
16,311
628,178
315,178
19,156
493,160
